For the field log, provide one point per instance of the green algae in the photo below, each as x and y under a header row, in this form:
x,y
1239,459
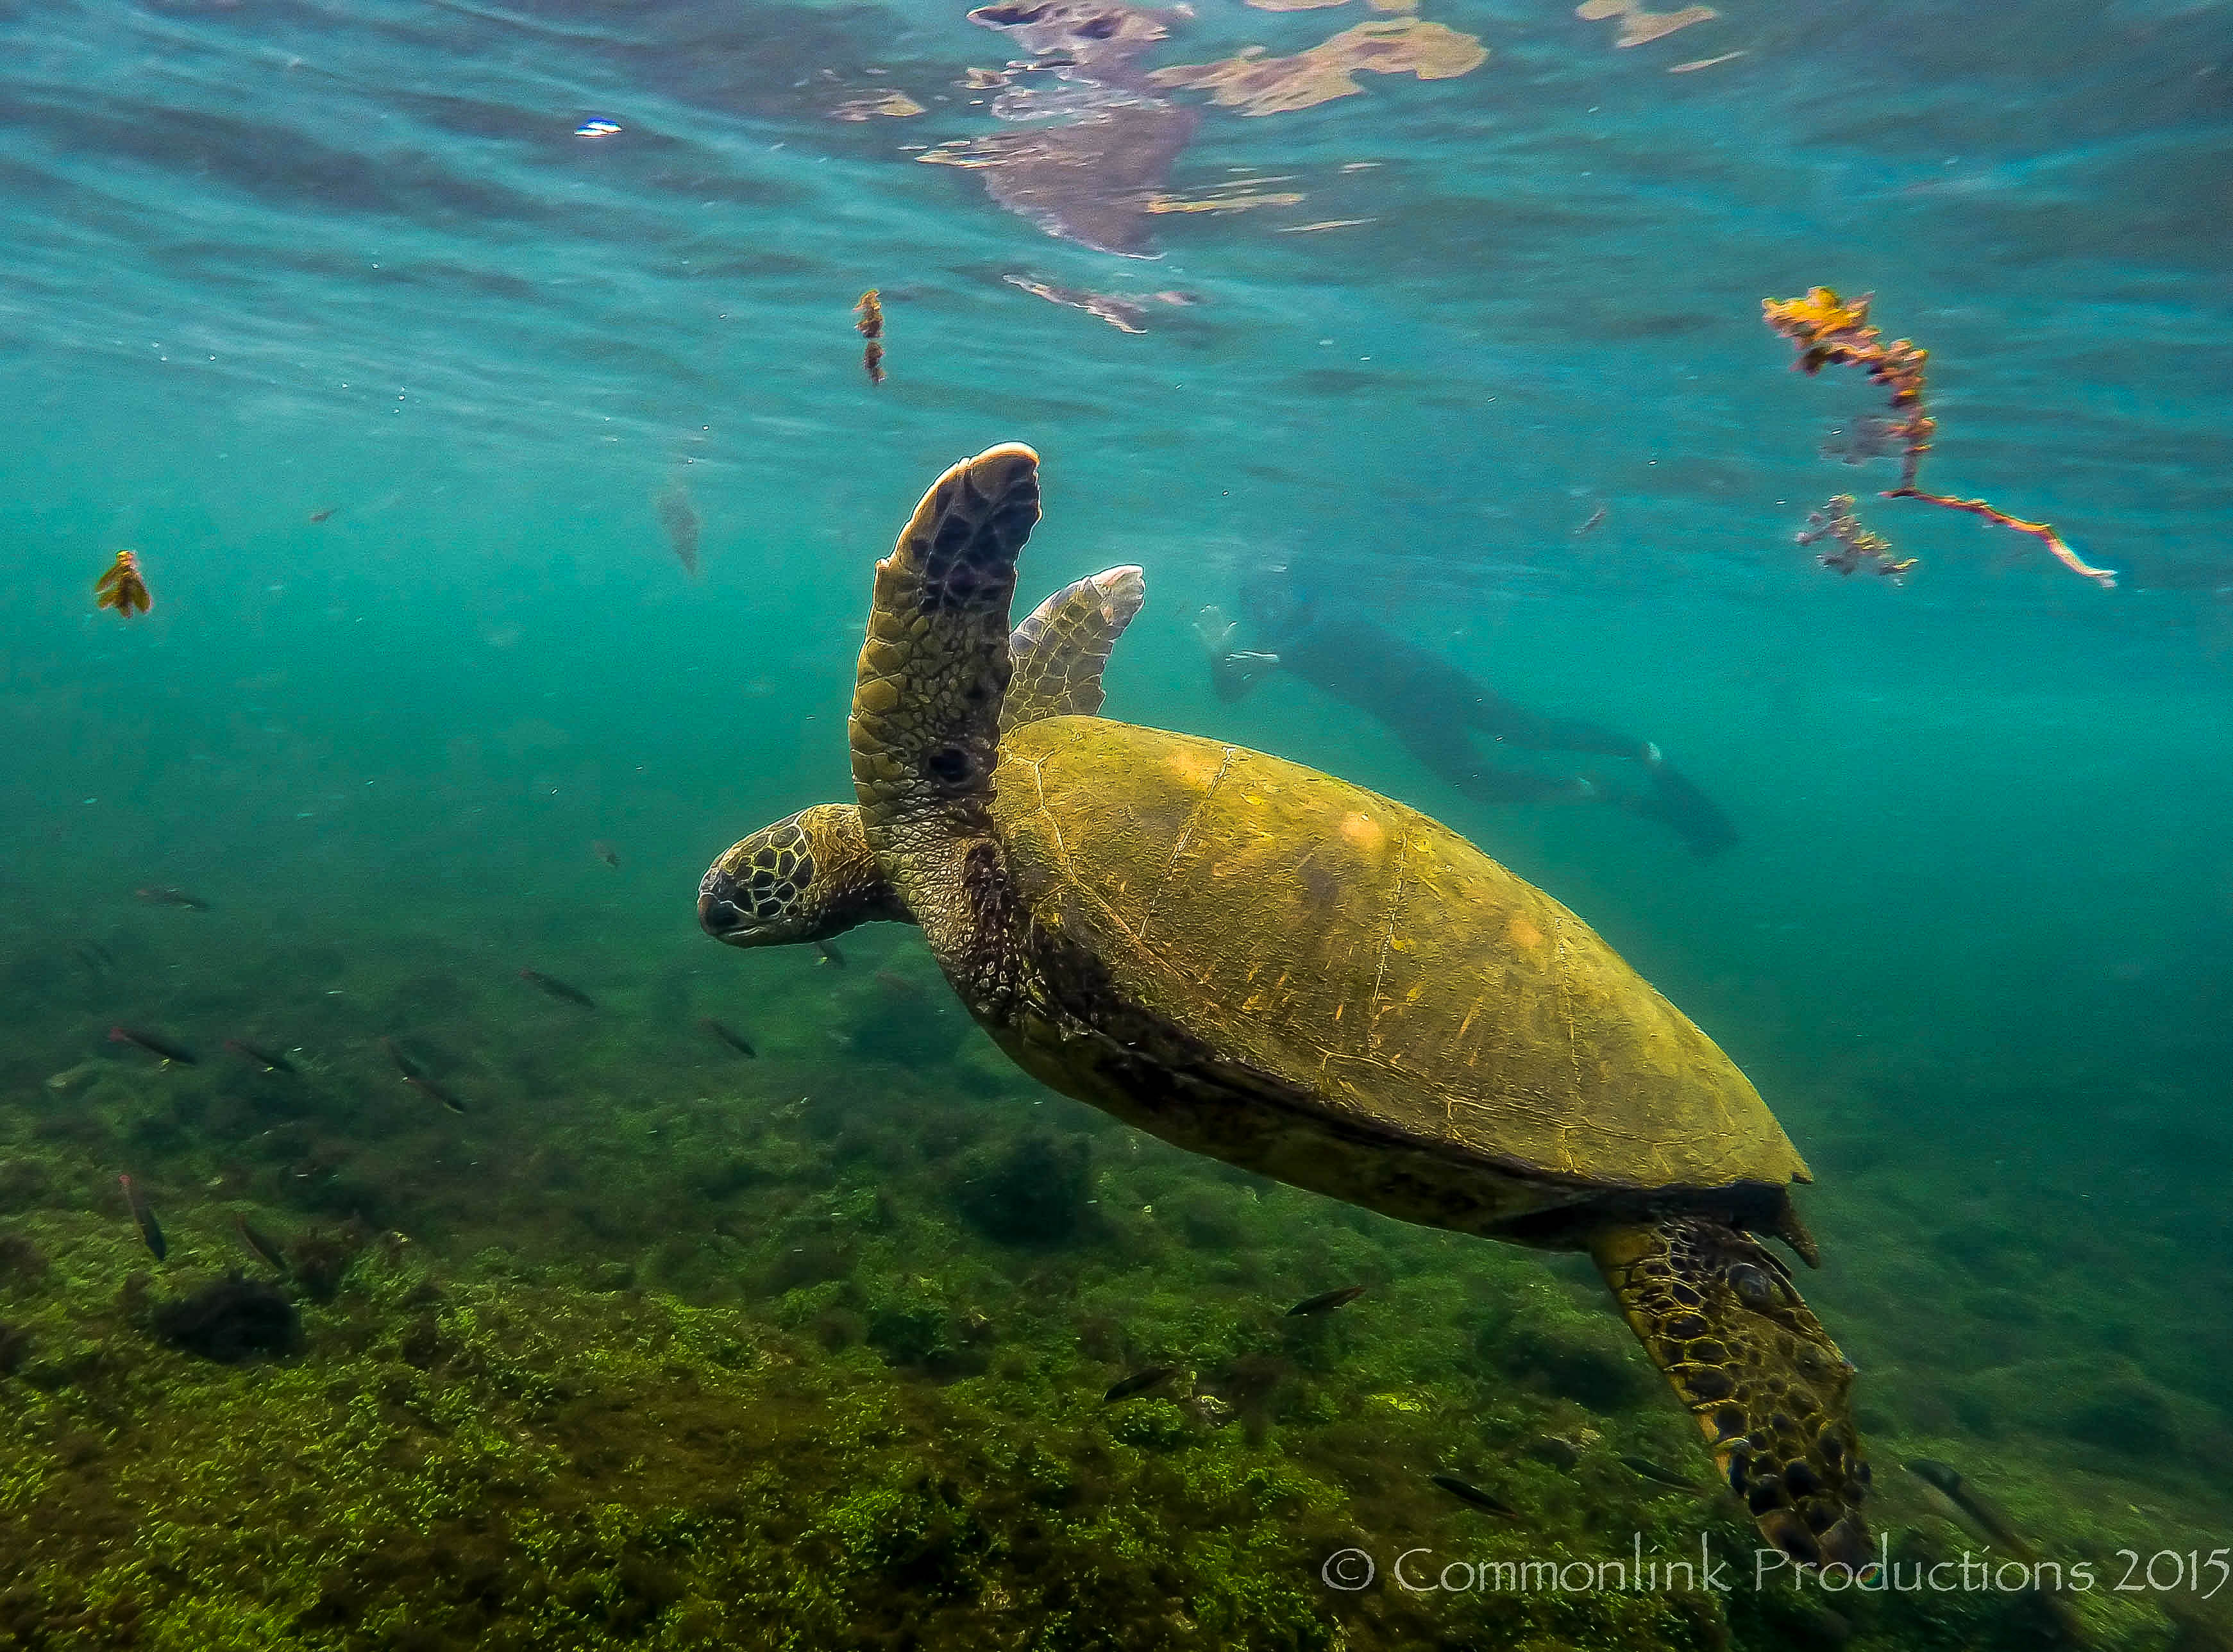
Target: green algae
x,y
683,1352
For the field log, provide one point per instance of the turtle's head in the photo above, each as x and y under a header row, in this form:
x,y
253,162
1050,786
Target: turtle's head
x,y
806,878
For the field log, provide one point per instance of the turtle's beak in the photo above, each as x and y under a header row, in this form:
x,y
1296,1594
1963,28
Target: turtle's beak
x,y
720,914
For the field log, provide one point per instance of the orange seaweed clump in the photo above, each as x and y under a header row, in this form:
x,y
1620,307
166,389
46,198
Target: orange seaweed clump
x,y
122,587
1638,26
1256,84
1856,547
870,309
1830,331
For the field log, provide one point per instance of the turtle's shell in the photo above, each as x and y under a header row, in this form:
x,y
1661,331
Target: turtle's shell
x,y
1365,958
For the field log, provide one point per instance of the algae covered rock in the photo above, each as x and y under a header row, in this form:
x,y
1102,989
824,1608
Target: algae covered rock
x,y
1032,1192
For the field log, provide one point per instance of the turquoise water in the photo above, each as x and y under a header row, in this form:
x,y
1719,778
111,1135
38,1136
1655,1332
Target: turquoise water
x,y
1974,943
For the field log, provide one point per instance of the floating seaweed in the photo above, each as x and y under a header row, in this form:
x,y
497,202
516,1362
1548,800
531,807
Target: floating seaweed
x,y
871,326
1829,331
123,587
1256,84
1639,27
893,105
1233,199
1857,548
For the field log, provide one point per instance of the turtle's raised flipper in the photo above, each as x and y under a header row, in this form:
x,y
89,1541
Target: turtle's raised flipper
x,y
926,702
926,723
812,876
1718,1314
1063,644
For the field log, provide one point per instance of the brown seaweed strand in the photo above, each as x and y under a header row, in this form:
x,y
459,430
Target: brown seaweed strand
x,y
1829,331
2105,577
871,326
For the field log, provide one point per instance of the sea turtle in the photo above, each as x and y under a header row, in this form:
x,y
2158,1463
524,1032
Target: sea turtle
x,y
1257,961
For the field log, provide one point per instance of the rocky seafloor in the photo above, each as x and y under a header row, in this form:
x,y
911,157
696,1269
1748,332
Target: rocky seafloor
x,y
659,1346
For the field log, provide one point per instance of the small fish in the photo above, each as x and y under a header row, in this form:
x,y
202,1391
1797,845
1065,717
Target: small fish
x,y
266,1059
1326,1301
1596,521
96,957
735,1041
830,954
1466,1491
152,1045
325,515
260,1243
679,519
898,986
1983,1513
1130,1387
557,988
156,895
149,1229
415,1076
429,1088
606,853
1644,1468
123,587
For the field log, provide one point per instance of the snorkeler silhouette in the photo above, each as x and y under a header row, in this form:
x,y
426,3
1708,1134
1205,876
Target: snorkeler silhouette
x,y
1436,711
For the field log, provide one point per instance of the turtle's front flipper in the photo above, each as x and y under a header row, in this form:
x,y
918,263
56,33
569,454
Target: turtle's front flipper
x,y
1063,644
927,702
1720,1316
925,723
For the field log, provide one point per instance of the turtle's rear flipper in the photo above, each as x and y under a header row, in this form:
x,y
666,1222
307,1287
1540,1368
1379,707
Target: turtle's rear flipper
x,y
1060,649
1718,1314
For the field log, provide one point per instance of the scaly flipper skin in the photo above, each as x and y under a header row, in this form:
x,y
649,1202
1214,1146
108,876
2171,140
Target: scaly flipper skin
x,y
811,876
934,668
1062,646
1721,1318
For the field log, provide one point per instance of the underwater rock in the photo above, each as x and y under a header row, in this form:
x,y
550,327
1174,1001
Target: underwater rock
x,y
2129,1415
1154,1425
318,1259
1033,1192
816,1258
229,1320
908,1333
1563,1349
2109,1402
21,1261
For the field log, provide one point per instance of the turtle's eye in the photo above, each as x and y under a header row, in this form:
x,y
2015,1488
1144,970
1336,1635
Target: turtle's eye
x,y
1751,1286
